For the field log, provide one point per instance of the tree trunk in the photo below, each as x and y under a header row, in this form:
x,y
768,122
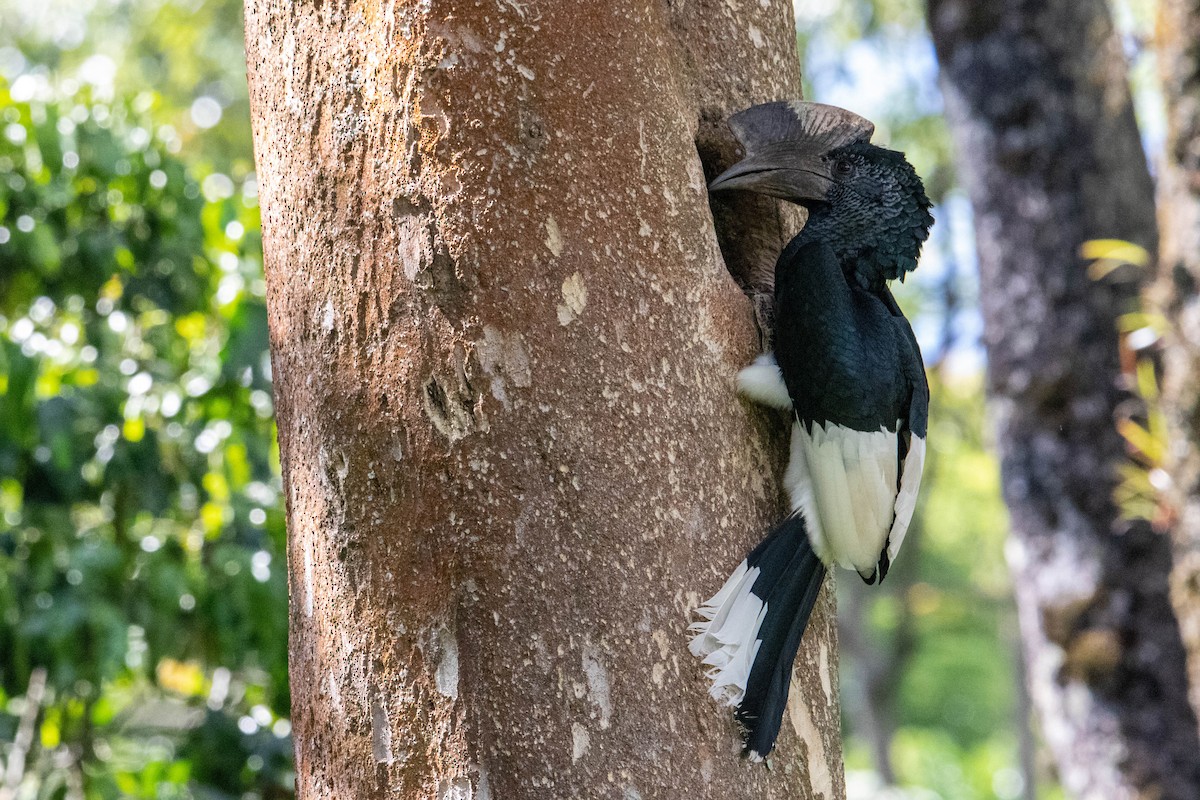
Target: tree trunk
x,y
503,343
1177,295
1039,109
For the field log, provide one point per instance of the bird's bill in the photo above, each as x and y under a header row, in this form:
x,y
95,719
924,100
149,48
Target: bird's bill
x,y
798,177
786,143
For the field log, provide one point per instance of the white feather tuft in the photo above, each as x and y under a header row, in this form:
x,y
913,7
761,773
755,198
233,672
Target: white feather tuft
x,y
727,635
763,383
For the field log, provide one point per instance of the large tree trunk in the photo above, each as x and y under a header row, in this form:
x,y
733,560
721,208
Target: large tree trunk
x,y
503,344
1039,109
1177,295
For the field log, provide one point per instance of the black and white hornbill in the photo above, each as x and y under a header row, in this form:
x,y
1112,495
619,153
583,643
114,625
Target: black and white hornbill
x,y
846,364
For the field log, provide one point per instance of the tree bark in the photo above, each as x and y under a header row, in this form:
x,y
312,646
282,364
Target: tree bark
x,y
503,344
1176,294
1039,110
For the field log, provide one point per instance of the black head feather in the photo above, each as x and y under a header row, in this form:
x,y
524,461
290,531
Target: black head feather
x,y
875,214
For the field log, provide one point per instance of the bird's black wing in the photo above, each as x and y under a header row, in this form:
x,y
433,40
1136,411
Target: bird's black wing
x,y
850,371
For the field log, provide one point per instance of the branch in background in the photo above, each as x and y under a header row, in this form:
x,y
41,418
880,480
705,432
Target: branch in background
x,y
871,709
15,770
951,300
1026,741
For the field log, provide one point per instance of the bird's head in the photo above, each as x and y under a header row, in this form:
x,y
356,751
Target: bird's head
x,y
865,201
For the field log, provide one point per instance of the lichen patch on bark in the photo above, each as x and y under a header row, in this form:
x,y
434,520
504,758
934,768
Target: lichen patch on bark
x,y
574,299
820,779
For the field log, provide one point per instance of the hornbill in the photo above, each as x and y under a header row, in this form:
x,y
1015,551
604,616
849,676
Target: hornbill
x,y
848,368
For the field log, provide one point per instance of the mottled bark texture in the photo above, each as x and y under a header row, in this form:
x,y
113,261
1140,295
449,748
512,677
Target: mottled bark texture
x,y
1048,148
504,342
1176,294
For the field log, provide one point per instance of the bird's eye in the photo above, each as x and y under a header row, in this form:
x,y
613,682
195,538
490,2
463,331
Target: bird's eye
x,y
843,168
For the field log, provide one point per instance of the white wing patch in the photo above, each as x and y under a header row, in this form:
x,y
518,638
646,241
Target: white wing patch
x,y
844,483
763,383
727,636
906,499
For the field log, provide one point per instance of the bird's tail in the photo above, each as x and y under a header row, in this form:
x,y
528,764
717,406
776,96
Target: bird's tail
x,y
750,630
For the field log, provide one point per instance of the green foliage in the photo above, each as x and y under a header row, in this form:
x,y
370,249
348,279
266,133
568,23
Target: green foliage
x,y
142,538
1142,423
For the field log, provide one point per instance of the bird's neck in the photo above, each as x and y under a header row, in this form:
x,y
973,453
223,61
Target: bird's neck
x,y
869,256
